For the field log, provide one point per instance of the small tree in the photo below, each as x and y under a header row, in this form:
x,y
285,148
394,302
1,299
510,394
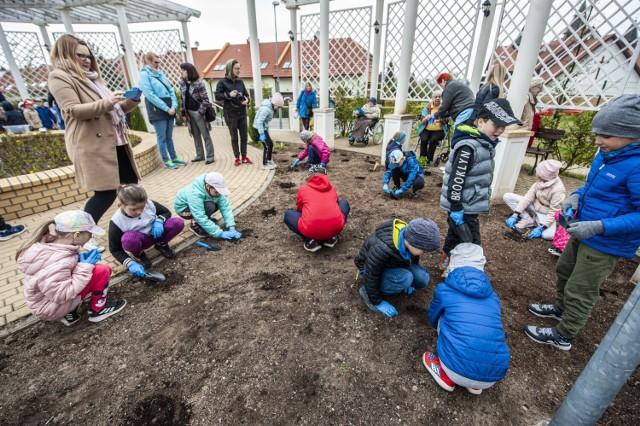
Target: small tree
x,y
577,147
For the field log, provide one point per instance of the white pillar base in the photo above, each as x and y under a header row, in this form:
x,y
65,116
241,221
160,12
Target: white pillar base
x,y
294,123
396,123
323,124
508,160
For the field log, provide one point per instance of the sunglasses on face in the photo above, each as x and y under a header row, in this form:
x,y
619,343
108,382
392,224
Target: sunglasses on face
x,y
84,57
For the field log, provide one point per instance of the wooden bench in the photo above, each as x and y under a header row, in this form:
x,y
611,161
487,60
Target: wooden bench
x,y
548,140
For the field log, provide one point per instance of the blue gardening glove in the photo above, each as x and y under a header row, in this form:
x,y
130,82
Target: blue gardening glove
x,y
323,164
511,222
136,269
387,309
409,290
92,257
570,203
570,212
457,217
295,164
263,137
536,233
585,230
157,228
398,192
235,233
386,189
227,235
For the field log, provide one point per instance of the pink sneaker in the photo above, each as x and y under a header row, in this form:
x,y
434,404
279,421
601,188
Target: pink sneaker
x,y
432,363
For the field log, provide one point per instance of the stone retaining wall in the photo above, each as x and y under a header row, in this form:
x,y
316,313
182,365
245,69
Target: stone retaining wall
x,y
37,192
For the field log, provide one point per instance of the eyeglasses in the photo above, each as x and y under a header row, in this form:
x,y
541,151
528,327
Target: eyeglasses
x,y
156,62
84,57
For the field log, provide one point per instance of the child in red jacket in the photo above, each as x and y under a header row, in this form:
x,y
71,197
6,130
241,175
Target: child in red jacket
x,y
319,216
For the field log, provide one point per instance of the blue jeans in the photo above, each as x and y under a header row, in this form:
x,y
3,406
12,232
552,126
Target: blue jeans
x,y
397,280
164,136
313,156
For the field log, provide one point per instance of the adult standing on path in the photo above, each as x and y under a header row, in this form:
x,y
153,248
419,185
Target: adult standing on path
x,y
195,102
457,100
161,103
231,91
95,136
307,101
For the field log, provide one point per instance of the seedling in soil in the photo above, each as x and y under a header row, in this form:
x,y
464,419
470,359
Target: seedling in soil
x,y
344,369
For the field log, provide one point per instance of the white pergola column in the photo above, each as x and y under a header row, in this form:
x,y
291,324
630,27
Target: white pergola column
x,y
187,41
66,20
255,52
294,123
45,37
377,41
13,65
399,121
481,50
323,117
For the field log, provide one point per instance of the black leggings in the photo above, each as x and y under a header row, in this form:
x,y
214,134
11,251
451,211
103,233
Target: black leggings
x,y
268,149
238,125
453,239
101,201
398,176
429,140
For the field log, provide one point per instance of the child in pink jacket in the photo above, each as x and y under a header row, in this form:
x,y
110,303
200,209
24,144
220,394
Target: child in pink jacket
x,y
58,277
316,149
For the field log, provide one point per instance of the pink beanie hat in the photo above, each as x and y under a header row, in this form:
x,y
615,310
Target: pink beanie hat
x,y
548,169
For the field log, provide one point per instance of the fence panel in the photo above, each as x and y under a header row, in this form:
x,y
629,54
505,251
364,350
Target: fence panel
x,y
30,58
166,44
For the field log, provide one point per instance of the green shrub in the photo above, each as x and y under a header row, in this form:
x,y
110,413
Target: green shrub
x,y
344,110
253,133
35,152
577,147
137,121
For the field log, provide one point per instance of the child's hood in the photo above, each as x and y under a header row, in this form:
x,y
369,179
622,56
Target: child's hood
x,y
470,282
198,187
467,254
40,255
266,103
320,183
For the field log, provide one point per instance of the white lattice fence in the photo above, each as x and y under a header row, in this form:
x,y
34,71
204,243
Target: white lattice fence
x,y
29,56
589,53
104,46
349,59
167,45
443,39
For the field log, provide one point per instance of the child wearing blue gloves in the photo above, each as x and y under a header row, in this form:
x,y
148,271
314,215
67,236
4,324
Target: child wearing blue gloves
x,y
465,311
200,200
388,261
403,166
395,143
261,124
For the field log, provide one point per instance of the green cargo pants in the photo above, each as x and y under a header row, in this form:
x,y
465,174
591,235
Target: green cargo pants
x,y
580,272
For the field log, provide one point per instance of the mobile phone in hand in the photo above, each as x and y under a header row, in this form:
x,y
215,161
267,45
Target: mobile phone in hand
x,y
132,93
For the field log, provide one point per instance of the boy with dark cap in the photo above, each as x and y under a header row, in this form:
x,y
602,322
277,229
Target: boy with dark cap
x,y
607,225
466,185
388,261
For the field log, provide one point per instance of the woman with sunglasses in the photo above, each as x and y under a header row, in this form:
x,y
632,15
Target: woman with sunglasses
x,y
96,131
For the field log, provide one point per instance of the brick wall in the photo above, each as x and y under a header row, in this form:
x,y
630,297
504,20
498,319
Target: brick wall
x,y
37,192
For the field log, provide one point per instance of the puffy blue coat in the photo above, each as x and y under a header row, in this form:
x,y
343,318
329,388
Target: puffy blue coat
x,y
471,340
612,194
305,101
410,167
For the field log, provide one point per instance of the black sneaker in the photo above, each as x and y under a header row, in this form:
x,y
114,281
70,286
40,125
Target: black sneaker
x,y
110,308
312,245
144,260
547,336
165,251
331,242
197,229
554,251
413,194
545,311
71,318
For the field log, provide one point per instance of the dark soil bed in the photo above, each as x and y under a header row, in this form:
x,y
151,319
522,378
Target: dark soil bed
x,y
264,332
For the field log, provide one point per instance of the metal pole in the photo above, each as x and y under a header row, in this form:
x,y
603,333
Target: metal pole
x,y
617,356
46,40
187,41
294,55
13,65
539,11
275,23
66,20
406,52
255,53
377,41
324,53
483,44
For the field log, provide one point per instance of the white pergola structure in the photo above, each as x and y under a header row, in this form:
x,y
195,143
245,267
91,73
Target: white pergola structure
x,y
120,13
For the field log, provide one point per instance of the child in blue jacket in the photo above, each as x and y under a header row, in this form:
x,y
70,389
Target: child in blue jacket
x,y
261,124
403,166
608,226
465,311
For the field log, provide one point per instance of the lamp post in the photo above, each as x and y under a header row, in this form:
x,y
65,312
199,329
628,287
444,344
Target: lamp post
x,y
275,4
486,8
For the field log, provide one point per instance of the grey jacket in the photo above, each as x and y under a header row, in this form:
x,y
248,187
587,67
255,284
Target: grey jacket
x,y
456,97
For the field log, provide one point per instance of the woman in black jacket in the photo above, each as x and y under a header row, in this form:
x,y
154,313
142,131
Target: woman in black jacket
x,y
235,96
13,117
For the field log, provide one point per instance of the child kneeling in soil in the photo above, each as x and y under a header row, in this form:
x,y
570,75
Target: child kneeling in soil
x,y
317,151
319,216
58,277
403,166
388,261
200,200
543,200
465,311
138,224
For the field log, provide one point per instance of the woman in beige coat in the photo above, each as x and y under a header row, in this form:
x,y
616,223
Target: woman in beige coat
x,y
96,131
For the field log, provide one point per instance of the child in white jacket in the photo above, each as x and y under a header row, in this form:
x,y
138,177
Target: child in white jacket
x,y
58,277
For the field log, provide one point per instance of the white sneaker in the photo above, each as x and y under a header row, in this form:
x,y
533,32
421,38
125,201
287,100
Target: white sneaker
x,y
272,163
267,167
93,244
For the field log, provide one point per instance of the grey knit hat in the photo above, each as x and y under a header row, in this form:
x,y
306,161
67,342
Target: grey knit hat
x,y
620,117
423,234
305,135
